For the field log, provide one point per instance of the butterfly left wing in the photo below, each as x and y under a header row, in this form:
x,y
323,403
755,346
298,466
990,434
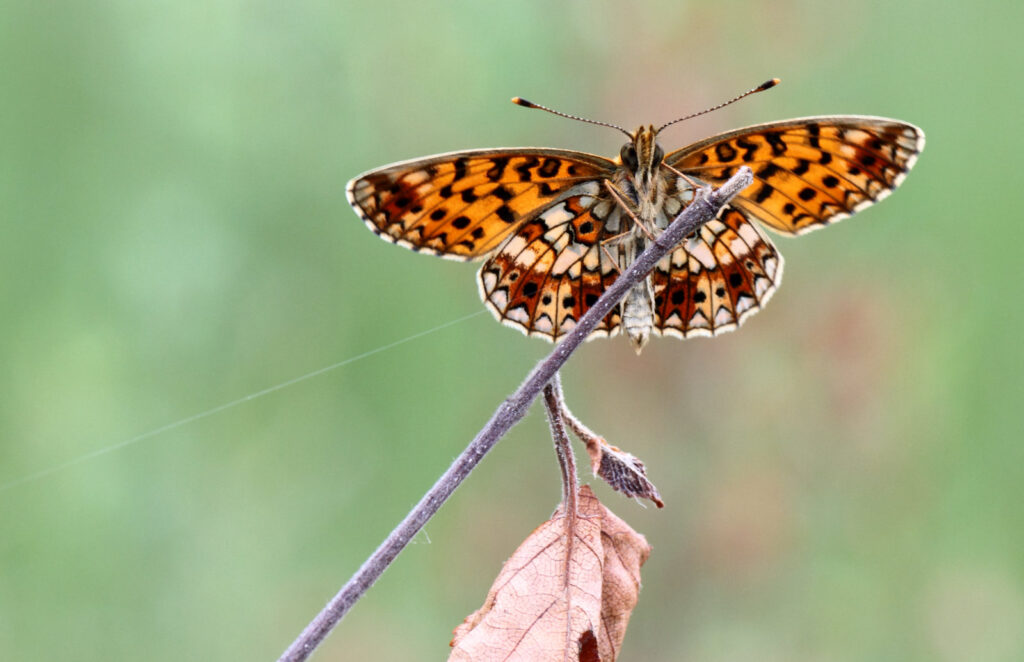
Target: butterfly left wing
x,y
808,172
462,205
710,283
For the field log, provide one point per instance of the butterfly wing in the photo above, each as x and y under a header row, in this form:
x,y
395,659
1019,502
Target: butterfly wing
x,y
713,281
808,172
553,269
462,205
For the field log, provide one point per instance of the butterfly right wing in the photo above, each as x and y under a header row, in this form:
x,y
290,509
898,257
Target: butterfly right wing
x,y
551,271
808,172
463,205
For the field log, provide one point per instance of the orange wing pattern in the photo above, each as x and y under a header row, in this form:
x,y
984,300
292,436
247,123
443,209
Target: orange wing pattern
x,y
547,275
555,239
710,283
808,172
464,204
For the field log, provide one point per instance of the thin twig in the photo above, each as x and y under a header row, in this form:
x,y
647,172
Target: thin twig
x,y
585,434
554,401
704,208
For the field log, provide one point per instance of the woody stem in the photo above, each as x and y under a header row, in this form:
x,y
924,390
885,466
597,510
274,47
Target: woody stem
x,y
555,404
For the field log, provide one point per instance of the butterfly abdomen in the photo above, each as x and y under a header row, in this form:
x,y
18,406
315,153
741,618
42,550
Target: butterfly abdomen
x,y
638,313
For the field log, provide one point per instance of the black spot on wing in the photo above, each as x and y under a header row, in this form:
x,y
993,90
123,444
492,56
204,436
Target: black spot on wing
x,y
502,193
764,193
524,168
549,168
774,139
814,130
748,148
725,152
495,172
505,214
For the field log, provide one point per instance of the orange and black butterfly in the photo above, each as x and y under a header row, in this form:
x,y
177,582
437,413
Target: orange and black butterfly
x,y
556,227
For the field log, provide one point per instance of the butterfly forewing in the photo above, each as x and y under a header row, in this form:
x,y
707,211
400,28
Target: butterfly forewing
x,y
807,172
463,205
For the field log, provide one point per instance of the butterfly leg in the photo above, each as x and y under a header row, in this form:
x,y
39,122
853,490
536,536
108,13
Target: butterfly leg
x,y
694,184
611,258
621,199
686,196
614,241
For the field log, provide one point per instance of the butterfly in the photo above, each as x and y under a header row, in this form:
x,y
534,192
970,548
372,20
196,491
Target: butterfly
x,y
556,227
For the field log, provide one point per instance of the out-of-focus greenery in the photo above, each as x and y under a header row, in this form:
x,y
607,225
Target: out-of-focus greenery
x,y
843,476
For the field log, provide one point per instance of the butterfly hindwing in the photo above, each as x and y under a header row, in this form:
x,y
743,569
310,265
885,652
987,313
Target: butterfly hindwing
x,y
549,273
711,282
808,172
462,205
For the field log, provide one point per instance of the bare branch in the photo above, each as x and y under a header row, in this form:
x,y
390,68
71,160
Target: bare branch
x,y
570,489
705,207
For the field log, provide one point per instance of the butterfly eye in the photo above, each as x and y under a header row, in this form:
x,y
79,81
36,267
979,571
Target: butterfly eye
x,y
628,156
659,154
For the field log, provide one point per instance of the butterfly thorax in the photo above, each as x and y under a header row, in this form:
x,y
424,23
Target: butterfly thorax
x,y
639,176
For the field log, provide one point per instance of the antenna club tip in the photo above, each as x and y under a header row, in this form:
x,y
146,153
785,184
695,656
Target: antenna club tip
x,y
768,84
519,101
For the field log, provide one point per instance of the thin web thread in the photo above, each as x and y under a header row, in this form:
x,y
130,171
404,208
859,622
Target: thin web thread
x,y
234,403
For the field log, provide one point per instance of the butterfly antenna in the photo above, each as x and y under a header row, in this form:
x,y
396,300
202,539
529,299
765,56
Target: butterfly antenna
x,y
767,85
519,101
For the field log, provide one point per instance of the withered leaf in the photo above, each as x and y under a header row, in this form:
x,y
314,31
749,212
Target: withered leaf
x,y
623,471
560,598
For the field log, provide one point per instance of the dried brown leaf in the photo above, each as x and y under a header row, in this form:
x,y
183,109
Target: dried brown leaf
x,y
560,597
625,551
623,471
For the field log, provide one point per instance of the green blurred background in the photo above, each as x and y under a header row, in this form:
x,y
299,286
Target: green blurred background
x,y
843,476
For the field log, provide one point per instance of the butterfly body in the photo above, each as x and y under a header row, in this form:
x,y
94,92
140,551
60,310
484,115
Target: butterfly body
x,y
642,186
557,227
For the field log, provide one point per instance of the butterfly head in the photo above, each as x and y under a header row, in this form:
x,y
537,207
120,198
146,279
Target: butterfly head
x,y
641,158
